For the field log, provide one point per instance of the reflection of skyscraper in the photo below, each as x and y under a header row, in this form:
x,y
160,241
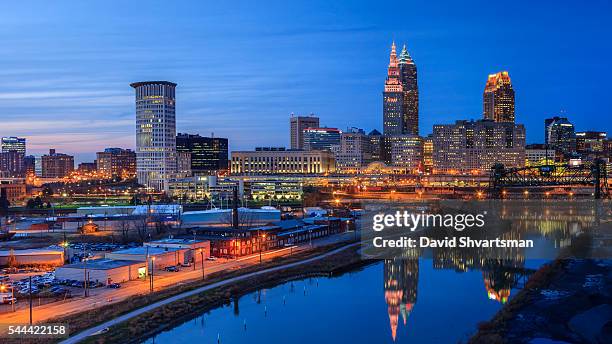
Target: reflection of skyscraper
x,y
401,281
155,133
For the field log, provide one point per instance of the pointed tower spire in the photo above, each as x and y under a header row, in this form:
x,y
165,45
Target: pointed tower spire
x,y
404,55
393,56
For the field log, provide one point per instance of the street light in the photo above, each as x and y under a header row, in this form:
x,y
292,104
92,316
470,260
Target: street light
x,y
151,274
262,238
202,257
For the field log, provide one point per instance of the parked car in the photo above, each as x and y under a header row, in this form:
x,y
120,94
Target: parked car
x,y
211,258
172,268
114,286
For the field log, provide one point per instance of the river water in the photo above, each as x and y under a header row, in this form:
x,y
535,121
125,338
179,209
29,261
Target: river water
x,y
436,298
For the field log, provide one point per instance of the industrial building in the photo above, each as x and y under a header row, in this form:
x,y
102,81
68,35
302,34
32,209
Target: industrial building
x,y
160,257
196,249
246,216
103,270
33,257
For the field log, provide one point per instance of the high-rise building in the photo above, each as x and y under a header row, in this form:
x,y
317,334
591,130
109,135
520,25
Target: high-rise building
x,y
321,138
498,98
404,152
13,144
183,164
354,151
410,89
560,134
588,142
393,98
401,95
297,125
12,164
376,145
209,155
117,162
56,165
265,162
29,165
155,133
428,153
476,146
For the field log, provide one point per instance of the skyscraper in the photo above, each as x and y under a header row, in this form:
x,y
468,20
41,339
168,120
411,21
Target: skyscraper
x,y
155,133
498,98
401,95
13,144
209,155
393,98
410,89
297,125
559,133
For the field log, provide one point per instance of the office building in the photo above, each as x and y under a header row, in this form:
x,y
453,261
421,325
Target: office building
x,y
282,162
117,162
428,153
209,155
560,135
376,145
404,152
354,151
401,95
87,167
277,189
498,98
13,144
29,165
475,146
297,125
12,164
155,133
57,165
198,188
536,154
589,142
183,164
321,138
410,89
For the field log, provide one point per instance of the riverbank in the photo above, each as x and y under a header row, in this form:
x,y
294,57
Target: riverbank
x,y
138,328
566,301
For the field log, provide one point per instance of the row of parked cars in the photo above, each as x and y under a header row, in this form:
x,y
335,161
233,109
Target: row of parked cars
x,y
100,246
42,285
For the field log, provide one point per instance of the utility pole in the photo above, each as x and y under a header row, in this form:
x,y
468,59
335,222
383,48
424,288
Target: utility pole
x,y
30,294
202,257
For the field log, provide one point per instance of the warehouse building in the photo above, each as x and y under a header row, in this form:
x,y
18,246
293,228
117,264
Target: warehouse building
x,y
160,257
103,270
196,249
33,257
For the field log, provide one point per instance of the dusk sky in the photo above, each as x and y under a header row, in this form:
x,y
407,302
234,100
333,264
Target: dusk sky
x,y
243,67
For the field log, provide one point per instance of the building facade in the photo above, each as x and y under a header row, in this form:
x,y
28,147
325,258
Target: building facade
x,y
590,142
498,98
405,152
537,154
13,144
209,155
155,133
57,165
393,98
475,146
354,151
297,125
559,133
321,138
282,162
117,162
410,89
12,164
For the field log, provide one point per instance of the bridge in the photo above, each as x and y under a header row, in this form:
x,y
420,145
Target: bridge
x,y
591,174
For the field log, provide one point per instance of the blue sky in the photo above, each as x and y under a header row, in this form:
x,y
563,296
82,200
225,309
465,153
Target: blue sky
x,y
244,66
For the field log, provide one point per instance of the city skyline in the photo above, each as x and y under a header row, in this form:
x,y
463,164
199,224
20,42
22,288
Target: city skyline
x,y
71,92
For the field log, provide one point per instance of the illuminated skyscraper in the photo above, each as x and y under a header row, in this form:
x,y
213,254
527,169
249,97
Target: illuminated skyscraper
x,y
393,98
410,89
401,95
209,155
321,138
498,98
155,133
